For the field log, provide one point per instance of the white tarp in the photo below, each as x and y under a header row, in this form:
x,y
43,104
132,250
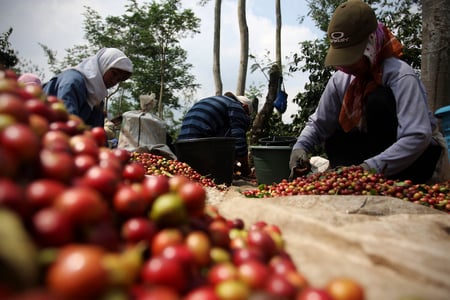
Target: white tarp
x,y
396,249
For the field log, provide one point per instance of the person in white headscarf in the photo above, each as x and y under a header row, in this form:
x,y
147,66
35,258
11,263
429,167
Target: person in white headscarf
x,y
84,87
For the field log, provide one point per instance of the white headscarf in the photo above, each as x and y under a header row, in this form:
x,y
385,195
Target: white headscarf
x,y
94,67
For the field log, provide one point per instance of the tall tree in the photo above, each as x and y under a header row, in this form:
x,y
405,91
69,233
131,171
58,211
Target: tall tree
x,y
278,35
436,52
261,124
216,47
168,24
267,122
218,85
243,64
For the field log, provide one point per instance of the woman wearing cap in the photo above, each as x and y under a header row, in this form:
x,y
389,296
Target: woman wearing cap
x,y
373,111
221,116
84,87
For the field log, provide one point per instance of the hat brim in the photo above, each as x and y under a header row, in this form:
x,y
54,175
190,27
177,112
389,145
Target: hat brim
x,y
345,56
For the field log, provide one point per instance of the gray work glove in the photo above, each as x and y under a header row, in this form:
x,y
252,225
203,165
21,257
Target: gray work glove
x,y
365,166
299,163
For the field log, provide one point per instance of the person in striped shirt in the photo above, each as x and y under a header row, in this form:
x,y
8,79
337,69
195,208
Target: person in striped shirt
x,y
221,116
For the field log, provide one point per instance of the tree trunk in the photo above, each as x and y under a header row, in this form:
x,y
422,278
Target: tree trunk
x,y
161,82
216,48
278,35
243,29
263,116
435,68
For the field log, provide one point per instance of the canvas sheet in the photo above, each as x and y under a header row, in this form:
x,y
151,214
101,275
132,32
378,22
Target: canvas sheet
x,y
141,129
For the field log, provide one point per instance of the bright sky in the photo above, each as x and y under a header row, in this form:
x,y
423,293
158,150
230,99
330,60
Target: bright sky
x,y
58,24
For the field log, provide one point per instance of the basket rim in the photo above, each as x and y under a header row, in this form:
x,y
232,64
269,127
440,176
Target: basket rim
x,y
206,139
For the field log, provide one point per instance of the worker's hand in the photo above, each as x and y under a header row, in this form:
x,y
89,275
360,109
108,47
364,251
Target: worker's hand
x,y
365,166
299,163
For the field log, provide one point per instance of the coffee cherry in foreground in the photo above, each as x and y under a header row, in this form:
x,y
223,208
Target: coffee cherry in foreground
x,y
78,272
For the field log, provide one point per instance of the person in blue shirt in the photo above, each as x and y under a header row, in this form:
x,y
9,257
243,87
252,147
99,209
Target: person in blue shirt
x,y
84,87
374,110
221,116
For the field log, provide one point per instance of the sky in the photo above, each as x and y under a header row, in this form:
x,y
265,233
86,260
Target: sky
x,y
58,24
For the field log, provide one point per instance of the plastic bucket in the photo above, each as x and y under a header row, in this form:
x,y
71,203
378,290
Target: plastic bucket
x,y
443,113
278,141
212,157
271,163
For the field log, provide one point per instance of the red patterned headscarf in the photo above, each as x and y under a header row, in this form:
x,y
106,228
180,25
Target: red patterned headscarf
x,y
382,44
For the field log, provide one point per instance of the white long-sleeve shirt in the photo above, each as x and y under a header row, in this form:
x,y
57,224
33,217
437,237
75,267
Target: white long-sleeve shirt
x,y
415,121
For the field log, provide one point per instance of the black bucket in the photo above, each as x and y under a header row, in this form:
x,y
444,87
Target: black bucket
x,y
212,157
271,163
278,141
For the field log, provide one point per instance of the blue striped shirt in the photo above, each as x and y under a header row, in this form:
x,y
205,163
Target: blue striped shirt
x,y
217,116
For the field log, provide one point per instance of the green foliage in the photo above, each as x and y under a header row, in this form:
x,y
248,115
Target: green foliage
x,y
404,19
152,34
149,33
254,91
275,125
8,57
310,60
72,57
117,105
27,66
321,11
